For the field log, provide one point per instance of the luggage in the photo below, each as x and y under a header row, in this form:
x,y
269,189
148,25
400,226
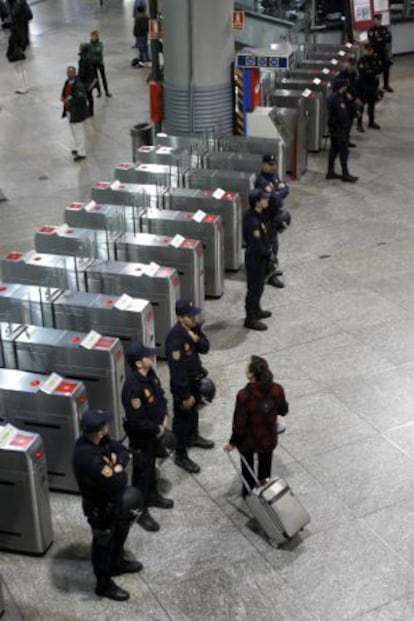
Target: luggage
x,y
277,510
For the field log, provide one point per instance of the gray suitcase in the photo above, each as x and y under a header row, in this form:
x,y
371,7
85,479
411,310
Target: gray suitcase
x,y
277,510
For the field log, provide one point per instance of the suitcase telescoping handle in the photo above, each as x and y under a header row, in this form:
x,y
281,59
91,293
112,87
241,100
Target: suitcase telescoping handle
x,y
239,472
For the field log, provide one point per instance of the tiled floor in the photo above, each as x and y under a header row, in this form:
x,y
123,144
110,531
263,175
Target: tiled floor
x,y
340,341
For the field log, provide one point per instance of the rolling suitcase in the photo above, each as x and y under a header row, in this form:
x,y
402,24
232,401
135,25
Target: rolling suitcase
x,y
277,510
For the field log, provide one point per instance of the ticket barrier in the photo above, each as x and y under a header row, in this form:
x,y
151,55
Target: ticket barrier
x,y
179,157
315,85
98,362
51,406
257,146
46,270
136,194
185,255
197,143
93,216
319,65
327,55
207,228
153,174
233,160
65,240
227,180
117,316
225,204
25,516
312,103
305,73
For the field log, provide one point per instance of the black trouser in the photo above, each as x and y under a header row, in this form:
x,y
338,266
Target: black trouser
x,y
143,469
100,68
89,96
256,275
263,471
108,537
371,101
185,426
339,145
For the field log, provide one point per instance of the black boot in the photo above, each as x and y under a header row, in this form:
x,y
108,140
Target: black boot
x,y
109,589
333,175
274,281
147,522
183,461
156,500
125,566
200,442
263,314
253,323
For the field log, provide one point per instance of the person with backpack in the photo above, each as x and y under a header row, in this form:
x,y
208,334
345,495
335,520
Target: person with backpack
x,y
255,421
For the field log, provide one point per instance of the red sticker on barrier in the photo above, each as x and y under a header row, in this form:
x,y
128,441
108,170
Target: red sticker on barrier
x,y
66,387
75,339
35,383
101,185
37,258
76,206
21,440
149,316
105,342
47,229
13,256
210,218
109,302
164,271
125,165
3,288
189,243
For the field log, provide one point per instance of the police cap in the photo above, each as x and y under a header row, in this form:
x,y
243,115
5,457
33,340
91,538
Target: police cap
x,y
95,420
269,158
256,195
186,307
136,351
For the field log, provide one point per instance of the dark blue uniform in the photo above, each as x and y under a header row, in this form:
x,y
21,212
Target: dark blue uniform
x,y
186,370
338,123
380,38
146,408
102,479
258,251
369,68
275,217
352,96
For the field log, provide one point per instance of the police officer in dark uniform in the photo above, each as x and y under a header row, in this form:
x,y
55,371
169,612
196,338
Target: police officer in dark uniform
x,y
99,465
257,256
369,68
276,217
146,426
184,344
352,100
338,124
380,38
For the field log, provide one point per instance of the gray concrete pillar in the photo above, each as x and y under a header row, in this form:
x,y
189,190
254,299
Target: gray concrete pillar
x,y
198,53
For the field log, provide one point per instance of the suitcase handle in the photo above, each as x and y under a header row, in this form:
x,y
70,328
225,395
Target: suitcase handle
x,y
243,459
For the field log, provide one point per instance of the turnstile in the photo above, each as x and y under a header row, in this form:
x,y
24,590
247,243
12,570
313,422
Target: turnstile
x,y
207,228
185,255
137,194
65,240
233,160
319,65
119,316
179,157
257,146
158,174
305,73
228,180
225,204
25,516
98,362
317,86
93,216
47,270
51,406
327,55
313,105
198,143
160,285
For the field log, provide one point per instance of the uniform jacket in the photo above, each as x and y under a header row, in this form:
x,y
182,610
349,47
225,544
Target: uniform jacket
x,y
78,108
380,38
255,417
96,52
338,115
183,356
369,68
351,78
95,469
256,235
145,406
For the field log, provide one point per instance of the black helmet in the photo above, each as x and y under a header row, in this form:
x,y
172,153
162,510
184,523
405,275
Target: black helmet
x,y
132,500
207,389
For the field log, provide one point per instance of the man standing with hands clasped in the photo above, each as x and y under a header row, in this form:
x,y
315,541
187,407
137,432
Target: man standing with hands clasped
x,y
189,384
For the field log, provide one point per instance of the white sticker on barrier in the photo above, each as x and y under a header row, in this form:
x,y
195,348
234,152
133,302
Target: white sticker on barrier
x,y
90,206
124,302
177,240
199,216
317,81
151,269
307,92
219,193
116,185
50,385
90,340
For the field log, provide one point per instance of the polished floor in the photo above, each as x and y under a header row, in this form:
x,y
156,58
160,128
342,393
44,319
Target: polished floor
x,y
341,341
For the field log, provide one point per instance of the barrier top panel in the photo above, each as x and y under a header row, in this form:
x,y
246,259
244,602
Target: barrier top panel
x,y
13,439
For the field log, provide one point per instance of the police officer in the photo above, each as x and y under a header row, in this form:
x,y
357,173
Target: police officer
x,y
146,425
257,256
338,124
276,217
352,100
99,465
369,68
380,39
184,344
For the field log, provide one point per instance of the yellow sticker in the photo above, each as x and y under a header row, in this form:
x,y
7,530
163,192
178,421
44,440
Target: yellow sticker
x,y
107,471
187,347
136,403
176,355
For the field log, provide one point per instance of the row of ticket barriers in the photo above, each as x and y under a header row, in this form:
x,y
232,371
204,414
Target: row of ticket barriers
x,y
162,229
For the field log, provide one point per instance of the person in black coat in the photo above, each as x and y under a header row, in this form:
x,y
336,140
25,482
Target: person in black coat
x,y
369,68
352,99
87,73
146,413
20,14
184,344
338,124
99,464
75,109
380,38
